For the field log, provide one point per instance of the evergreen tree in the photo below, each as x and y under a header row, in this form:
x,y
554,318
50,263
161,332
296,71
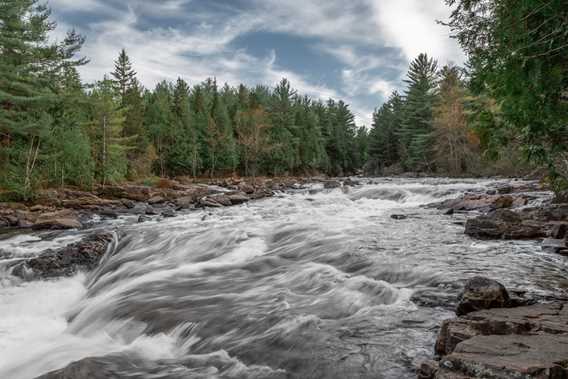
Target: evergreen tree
x,y
416,134
108,144
124,75
30,66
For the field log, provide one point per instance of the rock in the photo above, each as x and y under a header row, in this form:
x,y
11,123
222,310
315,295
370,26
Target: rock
x,y
151,211
156,200
557,246
246,188
483,202
399,217
449,212
128,203
168,212
222,199
559,231
185,202
482,293
143,218
505,189
427,370
108,213
82,255
504,224
511,356
238,198
351,182
57,220
330,184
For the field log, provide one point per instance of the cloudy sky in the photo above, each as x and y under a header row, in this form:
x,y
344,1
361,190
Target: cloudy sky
x,y
355,50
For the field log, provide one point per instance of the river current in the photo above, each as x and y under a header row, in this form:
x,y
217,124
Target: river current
x,y
309,284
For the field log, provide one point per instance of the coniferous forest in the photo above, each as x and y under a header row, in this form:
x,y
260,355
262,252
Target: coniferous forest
x,y
507,107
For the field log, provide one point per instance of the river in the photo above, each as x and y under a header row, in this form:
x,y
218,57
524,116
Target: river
x,y
310,284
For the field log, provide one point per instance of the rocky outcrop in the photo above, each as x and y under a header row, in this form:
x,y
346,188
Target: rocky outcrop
x,y
82,255
506,224
484,202
528,341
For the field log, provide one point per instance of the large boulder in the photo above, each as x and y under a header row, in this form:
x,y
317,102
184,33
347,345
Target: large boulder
x,y
57,220
238,198
505,224
482,293
82,255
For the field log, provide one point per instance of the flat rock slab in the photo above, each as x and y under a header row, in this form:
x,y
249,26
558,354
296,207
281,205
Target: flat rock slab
x,y
512,356
532,319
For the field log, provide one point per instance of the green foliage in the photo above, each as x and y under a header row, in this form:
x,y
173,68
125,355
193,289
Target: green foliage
x,y
517,54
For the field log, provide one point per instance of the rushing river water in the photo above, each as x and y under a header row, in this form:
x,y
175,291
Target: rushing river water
x,y
311,284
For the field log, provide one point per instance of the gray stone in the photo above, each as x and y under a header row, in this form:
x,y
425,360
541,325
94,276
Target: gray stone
x,y
482,293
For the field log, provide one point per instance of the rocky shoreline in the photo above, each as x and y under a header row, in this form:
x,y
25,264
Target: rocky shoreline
x,y
64,209
497,336
69,208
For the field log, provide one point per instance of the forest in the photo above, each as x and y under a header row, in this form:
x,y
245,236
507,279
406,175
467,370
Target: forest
x,y
505,112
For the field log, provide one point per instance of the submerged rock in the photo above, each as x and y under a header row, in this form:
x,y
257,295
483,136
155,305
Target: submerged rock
x,y
82,255
482,293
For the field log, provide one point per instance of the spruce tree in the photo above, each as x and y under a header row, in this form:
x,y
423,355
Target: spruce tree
x,y
30,67
123,74
416,134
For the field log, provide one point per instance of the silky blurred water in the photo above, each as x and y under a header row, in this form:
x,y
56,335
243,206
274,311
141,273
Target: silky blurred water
x,y
311,284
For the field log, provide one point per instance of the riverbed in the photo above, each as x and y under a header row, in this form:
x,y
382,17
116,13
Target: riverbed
x,y
311,283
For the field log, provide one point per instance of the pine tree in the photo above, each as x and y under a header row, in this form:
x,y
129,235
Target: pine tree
x,y
124,75
416,134
109,145
30,66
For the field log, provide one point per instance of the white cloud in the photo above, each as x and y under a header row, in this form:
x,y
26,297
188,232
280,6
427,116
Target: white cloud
x,y
354,33
410,25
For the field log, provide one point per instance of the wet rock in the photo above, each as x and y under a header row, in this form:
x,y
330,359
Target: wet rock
x,y
168,212
511,356
351,182
557,246
559,231
185,202
57,220
83,255
483,202
427,370
143,218
238,198
449,212
151,211
399,217
505,224
246,188
482,293
108,213
330,184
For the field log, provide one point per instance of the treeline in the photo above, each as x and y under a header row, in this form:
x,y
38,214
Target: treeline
x,y
505,110
56,131
428,128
